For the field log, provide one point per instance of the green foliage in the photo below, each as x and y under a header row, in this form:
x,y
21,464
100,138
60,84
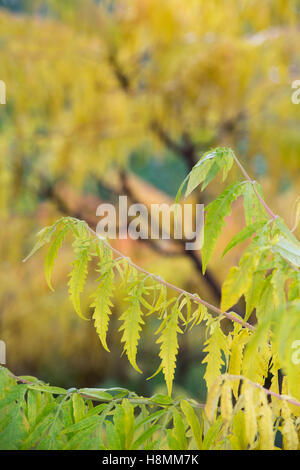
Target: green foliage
x,y
139,66
216,212
132,322
169,345
215,347
52,254
82,246
34,415
37,416
267,276
269,263
102,303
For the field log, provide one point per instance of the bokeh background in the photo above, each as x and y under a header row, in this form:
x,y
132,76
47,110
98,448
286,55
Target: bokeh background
x,y
121,97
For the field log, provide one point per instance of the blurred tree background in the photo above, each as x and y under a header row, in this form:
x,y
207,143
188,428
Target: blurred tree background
x,y
106,98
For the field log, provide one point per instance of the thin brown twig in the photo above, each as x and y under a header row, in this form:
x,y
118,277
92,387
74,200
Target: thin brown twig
x,y
232,316
292,401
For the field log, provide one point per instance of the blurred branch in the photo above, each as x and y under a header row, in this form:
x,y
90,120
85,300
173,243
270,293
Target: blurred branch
x,y
122,78
208,276
49,191
187,150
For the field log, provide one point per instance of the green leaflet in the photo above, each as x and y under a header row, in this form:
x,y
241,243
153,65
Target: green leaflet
x,y
82,424
285,328
131,327
294,288
102,299
52,440
207,168
212,434
288,250
280,224
197,175
97,393
12,430
87,439
238,439
148,418
79,408
257,355
53,252
33,403
79,273
212,173
253,293
40,429
47,388
161,399
269,308
6,382
239,280
179,429
239,340
278,281
16,393
193,422
214,346
272,299
216,212
228,159
173,443
121,434
128,423
44,236
243,235
146,435
287,334
254,211
12,423
112,437
198,316
86,434
169,346
179,192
